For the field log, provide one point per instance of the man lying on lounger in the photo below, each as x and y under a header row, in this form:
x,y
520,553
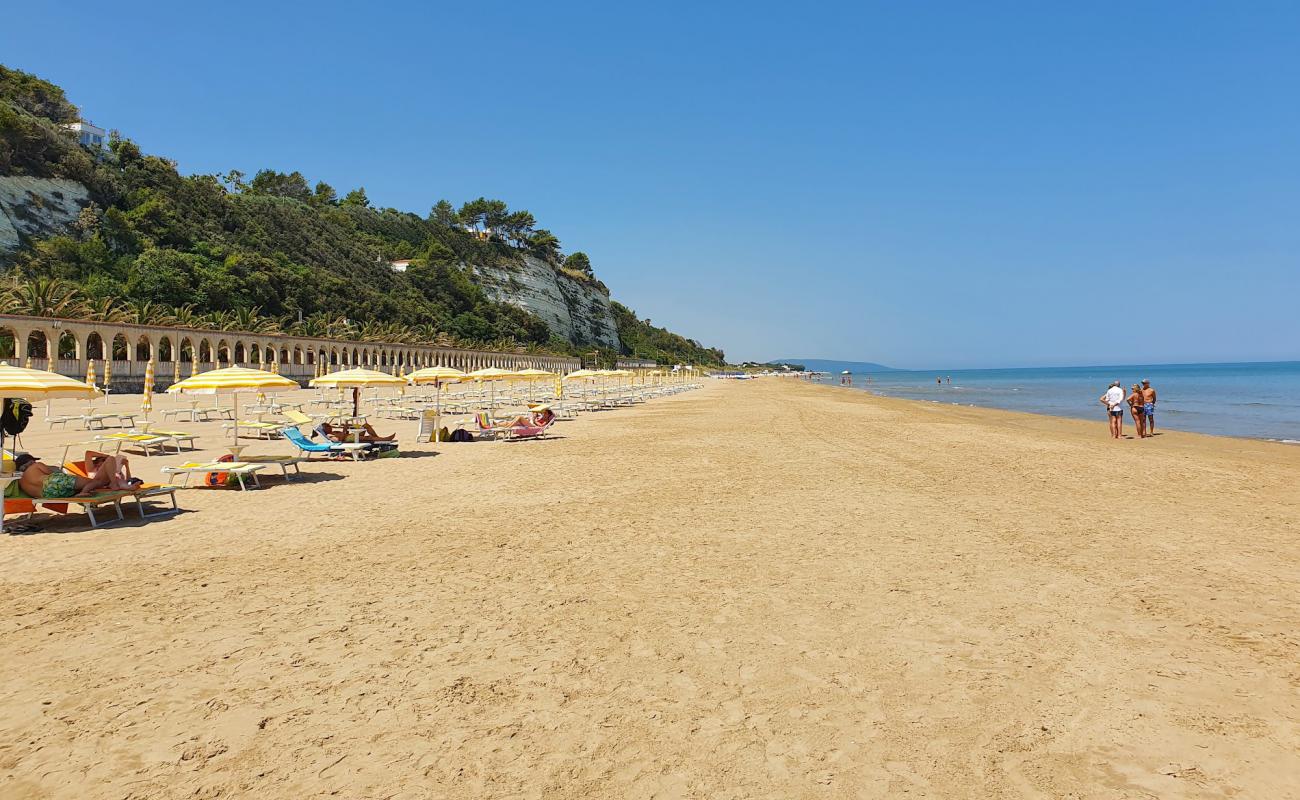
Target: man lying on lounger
x,y
106,472
342,433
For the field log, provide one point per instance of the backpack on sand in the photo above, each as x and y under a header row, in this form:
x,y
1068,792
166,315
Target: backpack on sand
x,y
17,413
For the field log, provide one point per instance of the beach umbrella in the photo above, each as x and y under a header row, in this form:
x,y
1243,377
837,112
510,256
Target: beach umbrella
x,y
36,384
146,399
108,377
437,376
90,371
232,381
532,376
356,379
491,375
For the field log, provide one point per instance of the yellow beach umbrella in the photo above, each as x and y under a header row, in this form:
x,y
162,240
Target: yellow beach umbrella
x,y
356,379
36,384
176,368
491,375
232,381
532,376
582,374
437,376
90,371
146,400
108,376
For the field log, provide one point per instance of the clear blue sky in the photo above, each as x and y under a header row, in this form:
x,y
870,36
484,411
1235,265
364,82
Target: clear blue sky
x,y
925,185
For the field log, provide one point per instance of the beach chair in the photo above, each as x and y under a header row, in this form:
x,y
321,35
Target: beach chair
x,y
283,462
141,493
258,429
240,469
487,427
18,502
307,447
145,441
528,431
176,438
298,418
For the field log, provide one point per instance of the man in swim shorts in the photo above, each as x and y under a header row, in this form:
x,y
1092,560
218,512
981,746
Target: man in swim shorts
x,y
106,472
1113,400
1149,406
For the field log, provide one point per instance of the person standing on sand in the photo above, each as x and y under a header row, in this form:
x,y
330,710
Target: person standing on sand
x,y
1149,407
1113,400
1135,408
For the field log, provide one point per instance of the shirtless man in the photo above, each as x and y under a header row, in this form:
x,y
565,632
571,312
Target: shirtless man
x,y
106,472
1113,400
1149,406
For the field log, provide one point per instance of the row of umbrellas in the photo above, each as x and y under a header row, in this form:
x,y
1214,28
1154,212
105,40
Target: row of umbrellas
x,y
35,384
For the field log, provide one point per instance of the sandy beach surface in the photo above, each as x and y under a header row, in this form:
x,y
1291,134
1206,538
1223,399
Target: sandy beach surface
x,y
763,589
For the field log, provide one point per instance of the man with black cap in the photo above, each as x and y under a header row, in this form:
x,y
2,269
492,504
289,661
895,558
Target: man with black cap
x,y
106,472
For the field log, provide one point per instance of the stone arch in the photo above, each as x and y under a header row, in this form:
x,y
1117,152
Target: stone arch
x,y
185,351
121,348
311,356
8,343
143,348
354,356
334,356
68,345
37,344
255,353
205,351
240,353
165,349
94,345
284,355
297,355
223,352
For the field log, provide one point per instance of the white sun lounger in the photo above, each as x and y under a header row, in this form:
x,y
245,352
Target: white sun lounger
x,y
240,469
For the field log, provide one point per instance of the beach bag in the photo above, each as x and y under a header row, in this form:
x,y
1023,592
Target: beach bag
x,y
17,413
219,478
461,435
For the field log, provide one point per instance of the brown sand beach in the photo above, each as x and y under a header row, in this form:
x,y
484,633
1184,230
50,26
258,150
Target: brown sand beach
x,y
761,589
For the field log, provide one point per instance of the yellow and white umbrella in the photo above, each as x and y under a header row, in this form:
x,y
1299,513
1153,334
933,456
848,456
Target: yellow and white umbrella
x,y
36,384
90,372
232,381
437,376
356,379
146,399
176,368
491,375
532,376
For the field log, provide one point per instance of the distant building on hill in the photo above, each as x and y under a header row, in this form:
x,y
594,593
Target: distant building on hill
x,y
400,264
88,134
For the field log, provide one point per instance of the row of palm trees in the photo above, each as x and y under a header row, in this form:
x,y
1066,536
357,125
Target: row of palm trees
x,y
51,297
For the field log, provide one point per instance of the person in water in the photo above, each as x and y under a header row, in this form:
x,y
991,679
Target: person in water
x,y
1135,408
106,472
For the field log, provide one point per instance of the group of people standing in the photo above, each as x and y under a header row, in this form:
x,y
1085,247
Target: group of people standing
x,y
1141,402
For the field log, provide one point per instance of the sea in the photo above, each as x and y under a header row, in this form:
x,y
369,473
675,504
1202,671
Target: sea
x,y
1252,400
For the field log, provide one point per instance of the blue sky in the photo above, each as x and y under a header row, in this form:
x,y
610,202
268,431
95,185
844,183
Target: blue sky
x,y
925,185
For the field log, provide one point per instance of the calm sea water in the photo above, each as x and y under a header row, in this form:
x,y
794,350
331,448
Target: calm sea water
x,y
1260,401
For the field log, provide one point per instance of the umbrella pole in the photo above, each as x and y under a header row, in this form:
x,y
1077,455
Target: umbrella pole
x,y
234,397
356,401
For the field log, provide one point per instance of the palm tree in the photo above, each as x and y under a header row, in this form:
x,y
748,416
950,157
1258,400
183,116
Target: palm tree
x,y
148,312
250,320
186,317
47,297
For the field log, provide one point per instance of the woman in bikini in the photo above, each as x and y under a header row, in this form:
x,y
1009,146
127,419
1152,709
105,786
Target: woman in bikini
x,y
1135,408
366,434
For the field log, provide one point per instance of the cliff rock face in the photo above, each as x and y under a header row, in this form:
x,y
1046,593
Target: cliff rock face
x,y
572,309
34,207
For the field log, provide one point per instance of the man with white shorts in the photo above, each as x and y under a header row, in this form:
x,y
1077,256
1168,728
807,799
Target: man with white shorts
x,y
1113,400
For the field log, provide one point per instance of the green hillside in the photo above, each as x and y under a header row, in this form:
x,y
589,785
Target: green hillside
x,y
274,251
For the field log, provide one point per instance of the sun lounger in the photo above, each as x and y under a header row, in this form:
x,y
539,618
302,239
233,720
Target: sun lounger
x,y
145,441
283,462
308,447
259,429
22,503
240,469
177,437
528,431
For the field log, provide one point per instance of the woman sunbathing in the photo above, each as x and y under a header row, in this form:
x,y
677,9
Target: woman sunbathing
x,y
366,434
106,472
540,417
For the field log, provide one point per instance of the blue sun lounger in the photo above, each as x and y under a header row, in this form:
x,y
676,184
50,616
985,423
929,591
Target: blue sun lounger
x,y
307,447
